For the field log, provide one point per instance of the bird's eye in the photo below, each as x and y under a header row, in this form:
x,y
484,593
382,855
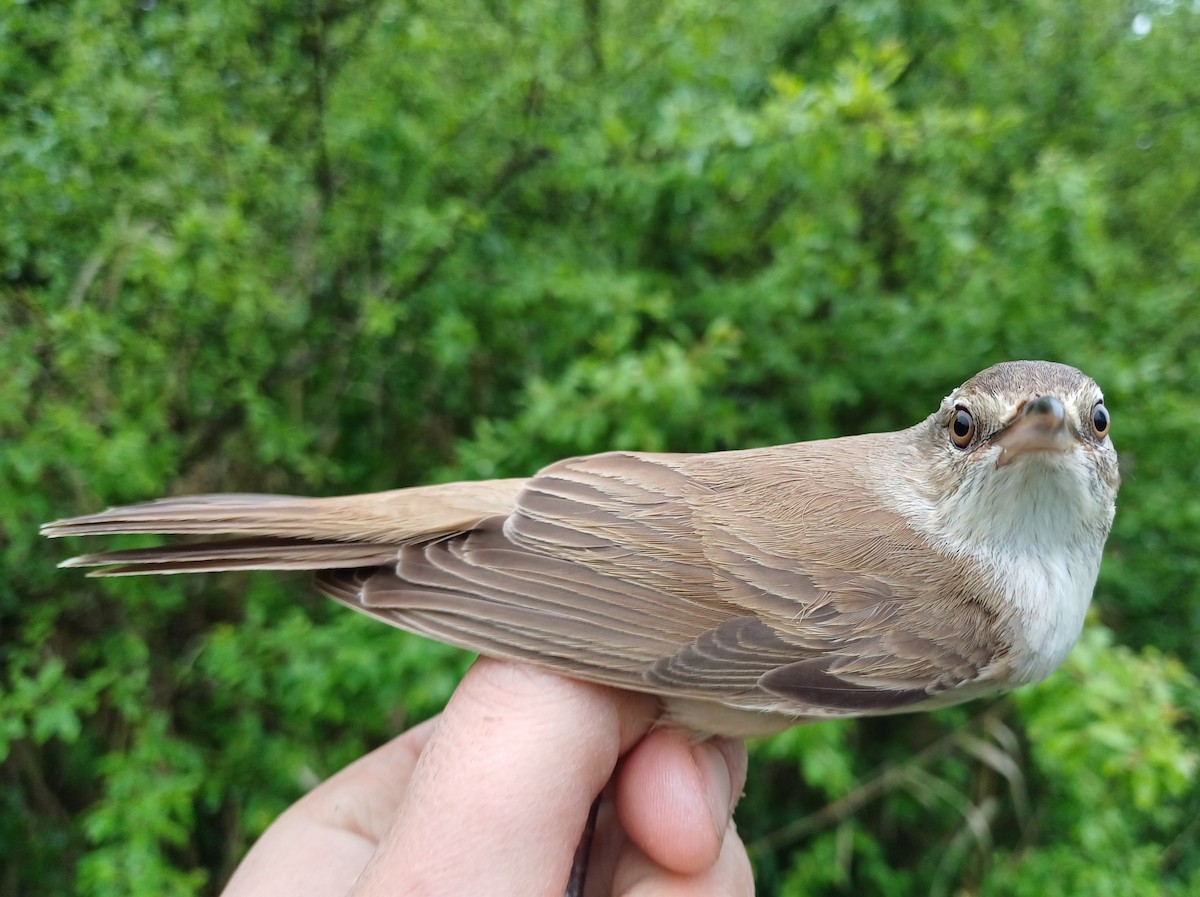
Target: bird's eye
x,y
1100,420
962,427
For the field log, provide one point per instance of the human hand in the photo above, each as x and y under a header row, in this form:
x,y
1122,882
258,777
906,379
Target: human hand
x,y
492,797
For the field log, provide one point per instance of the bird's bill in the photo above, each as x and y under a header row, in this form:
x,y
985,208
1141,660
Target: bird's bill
x,y
1041,426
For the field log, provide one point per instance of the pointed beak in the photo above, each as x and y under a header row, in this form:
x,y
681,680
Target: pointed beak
x,y
1041,426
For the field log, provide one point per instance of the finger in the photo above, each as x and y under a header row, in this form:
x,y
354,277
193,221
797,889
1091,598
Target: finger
x,y
341,821
675,797
730,876
501,794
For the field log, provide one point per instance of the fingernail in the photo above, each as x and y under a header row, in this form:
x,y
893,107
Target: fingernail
x,y
718,788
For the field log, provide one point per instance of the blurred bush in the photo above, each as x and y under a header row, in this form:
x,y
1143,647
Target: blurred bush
x,y
345,246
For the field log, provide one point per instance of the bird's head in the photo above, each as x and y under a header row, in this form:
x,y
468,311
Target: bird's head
x,y
1022,458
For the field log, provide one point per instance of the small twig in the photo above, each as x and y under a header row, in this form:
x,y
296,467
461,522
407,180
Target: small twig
x,y
890,776
583,853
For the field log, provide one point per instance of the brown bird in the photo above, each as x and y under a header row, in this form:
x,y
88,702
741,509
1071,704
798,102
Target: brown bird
x,y
749,590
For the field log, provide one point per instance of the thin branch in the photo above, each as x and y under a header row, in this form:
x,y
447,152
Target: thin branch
x,y
891,776
521,161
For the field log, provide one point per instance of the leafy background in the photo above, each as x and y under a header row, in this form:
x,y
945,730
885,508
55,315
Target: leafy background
x,y
346,245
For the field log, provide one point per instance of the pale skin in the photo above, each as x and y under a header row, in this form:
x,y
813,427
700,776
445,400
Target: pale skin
x,y
490,797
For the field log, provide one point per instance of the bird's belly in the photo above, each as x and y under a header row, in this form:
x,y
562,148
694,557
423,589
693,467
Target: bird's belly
x,y
706,717
1050,598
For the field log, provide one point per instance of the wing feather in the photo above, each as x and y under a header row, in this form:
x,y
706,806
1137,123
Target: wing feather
x,y
639,571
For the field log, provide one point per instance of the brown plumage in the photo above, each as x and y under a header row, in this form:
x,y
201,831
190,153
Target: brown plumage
x,y
748,589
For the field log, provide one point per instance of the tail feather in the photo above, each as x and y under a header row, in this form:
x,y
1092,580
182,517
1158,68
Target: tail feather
x,y
286,532
400,515
236,554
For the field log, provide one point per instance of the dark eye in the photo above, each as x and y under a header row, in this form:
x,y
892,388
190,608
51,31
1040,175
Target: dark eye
x,y
1100,420
962,427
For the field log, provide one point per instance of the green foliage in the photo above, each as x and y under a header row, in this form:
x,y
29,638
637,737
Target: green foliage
x,y
1106,737
348,246
1084,784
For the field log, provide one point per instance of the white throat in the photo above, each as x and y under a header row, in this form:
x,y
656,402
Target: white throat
x,y
1038,526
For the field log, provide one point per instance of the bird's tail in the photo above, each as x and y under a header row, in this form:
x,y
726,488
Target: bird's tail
x,y
284,532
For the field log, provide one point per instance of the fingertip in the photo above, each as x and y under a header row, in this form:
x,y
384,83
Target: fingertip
x,y
717,782
730,875
675,797
733,752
